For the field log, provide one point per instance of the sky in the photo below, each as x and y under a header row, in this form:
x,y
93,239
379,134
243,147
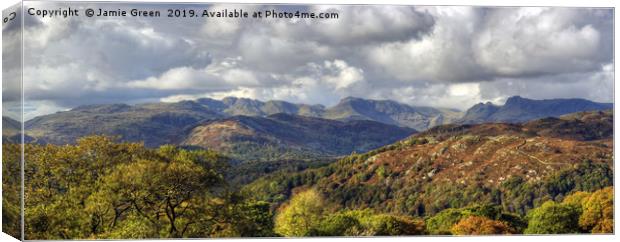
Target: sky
x,y
451,57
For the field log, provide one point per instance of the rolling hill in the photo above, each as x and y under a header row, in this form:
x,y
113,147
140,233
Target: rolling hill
x,y
154,124
10,126
285,136
10,130
517,166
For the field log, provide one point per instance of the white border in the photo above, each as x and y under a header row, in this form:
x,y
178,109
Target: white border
x,y
565,3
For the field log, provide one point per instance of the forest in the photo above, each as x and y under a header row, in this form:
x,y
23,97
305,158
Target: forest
x,y
100,188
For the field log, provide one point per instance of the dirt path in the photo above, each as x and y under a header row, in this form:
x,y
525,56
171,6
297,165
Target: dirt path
x,y
518,147
534,157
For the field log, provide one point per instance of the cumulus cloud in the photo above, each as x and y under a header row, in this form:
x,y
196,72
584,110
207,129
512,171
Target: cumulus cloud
x,y
337,74
474,44
360,25
11,64
443,55
216,76
98,57
434,56
315,81
537,41
597,85
437,94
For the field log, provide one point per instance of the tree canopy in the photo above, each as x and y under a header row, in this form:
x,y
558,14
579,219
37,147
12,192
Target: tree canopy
x,y
553,218
102,189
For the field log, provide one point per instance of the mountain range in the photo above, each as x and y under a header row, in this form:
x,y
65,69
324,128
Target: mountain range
x,y
518,109
279,126
391,112
349,108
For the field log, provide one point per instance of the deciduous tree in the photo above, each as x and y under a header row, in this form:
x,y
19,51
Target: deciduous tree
x,y
477,225
553,218
598,212
301,215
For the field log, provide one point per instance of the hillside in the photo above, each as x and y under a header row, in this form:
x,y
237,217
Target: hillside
x,y
517,166
285,136
154,124
518,109
10,129
10,126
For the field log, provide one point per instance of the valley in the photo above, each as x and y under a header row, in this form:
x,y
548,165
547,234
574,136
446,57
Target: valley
x,y
358,166
284,136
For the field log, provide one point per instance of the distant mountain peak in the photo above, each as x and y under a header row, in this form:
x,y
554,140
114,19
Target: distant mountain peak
x,y
519,109
515,97
483,104
518,100
104,108
350,99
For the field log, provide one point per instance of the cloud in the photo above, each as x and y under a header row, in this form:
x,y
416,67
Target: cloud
x,y
596,85
216,76
459,96
97,57
337,74
475,44
307,84
278,45
443,55
539,41
359,25
11,64
428,55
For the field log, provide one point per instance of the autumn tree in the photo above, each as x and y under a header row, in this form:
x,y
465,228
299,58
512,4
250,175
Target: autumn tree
x,y
99,188
390,225
576,198
59,180
477,225
598,212
11,182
